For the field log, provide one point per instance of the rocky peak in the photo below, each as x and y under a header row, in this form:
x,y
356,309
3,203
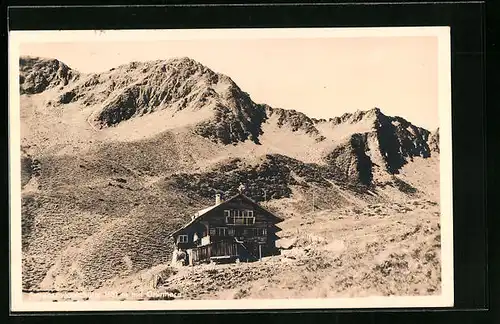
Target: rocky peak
x,y
400,141
185,63
294,120
138,88
39,74
391,142
434,141
236,119
350,160
359,115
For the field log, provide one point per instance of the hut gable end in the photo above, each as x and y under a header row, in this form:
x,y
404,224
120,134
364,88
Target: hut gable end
x,y
236,228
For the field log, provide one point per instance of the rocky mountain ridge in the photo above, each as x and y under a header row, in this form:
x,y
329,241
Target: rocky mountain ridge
x,y
38,74
140,88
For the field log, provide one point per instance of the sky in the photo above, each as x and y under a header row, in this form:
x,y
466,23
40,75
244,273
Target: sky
x,y
321,77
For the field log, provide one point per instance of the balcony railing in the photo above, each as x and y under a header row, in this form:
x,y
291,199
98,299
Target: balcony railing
x,y
216,249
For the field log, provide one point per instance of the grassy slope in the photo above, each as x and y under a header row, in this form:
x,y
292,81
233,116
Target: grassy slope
x,y
375,250
94,204
89,214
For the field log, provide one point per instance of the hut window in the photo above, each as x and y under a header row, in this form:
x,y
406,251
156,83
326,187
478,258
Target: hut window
x,y
255,232
247,213
183,238
248,220
260,231
240,217
221,231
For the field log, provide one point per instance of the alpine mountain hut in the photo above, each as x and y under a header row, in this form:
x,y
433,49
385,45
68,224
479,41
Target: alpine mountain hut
x,y
235,229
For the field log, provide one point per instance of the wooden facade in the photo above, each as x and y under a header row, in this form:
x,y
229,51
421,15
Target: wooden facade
x,y
235,229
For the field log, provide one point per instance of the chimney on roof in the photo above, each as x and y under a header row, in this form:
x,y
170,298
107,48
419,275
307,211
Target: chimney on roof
x,y
217,199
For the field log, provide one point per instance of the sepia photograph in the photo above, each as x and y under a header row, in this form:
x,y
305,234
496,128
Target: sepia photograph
x,y
230,169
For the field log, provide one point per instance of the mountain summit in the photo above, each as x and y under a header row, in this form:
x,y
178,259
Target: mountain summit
x,y
38,74
176,85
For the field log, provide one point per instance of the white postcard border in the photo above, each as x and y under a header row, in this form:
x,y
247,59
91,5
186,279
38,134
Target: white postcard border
x,y
444,300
